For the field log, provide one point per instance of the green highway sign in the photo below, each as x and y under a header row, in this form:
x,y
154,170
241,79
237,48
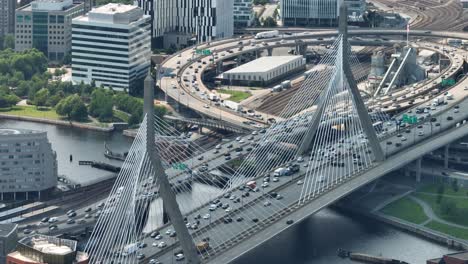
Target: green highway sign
x,y
410,119
179,166
203,52
447,82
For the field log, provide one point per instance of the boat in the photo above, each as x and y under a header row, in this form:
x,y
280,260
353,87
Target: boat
x,y
366,258
113,155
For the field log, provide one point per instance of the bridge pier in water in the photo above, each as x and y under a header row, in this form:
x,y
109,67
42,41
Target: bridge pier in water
x,y
418,169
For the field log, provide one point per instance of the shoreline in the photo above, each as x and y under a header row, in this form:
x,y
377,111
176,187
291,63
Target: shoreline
x,y
58,122
429,234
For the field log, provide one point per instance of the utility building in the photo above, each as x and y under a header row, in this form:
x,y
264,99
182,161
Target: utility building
x,y
264,70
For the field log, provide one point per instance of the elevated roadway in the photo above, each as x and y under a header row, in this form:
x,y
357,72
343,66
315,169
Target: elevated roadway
x,y
182,73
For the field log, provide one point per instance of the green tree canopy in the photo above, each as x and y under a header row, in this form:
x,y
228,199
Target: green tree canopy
x,y
72,107
269,22
41,97
101,105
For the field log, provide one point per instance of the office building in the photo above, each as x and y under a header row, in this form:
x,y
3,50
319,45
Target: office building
x,y
464,3
111,46
7,17
46,26
356,9
40,249
264,70
28,165
243,13
8,240
310,13
188,22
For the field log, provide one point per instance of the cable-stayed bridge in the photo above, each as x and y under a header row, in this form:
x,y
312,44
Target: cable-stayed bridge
x,y
327,141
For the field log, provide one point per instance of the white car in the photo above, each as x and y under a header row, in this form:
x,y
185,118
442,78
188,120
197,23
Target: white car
x,y
158,237
218,146
300,159
265,184
267,203
162,244
180,257
168,232
300,182
403,139
275,179
206,216
206,106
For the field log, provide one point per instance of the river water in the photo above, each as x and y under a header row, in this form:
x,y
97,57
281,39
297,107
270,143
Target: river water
x,y
82,144
314,241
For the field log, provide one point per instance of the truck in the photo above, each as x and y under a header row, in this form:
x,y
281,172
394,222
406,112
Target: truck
x,y
277,88
233,105
449,96
251,184
213,97
280,172
267,34
202,246
438,101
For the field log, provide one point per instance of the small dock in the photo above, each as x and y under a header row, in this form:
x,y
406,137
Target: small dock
x,y
366,258
100,165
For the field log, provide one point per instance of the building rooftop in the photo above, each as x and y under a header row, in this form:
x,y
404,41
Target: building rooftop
x,y
49,5
6,229
112,14
17,131
459,255
263,64
49,245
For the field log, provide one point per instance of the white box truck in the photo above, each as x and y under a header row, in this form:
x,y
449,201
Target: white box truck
x,y
130,249
232,105
213,97
267,34
280,172
438,101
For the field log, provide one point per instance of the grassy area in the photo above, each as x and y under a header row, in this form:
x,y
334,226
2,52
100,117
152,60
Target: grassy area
x,y
449,230
32,111
407,210
236,96
121,115
459,199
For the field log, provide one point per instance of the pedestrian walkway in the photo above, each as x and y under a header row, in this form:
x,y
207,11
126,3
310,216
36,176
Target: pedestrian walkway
x,y
432,216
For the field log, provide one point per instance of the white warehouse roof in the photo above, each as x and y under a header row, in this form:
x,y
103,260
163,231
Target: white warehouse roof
x,y
264,64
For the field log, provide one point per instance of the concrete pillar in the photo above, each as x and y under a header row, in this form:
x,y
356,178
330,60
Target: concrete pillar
x,y
165,192
2,196
27,195
446,156
14,196
219,67
270,51
418,170
39,194
407,172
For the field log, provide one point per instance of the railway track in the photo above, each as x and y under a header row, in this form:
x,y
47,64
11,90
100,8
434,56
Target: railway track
x,y
276,103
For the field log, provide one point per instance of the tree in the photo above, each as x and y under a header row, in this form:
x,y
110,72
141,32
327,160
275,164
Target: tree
x,y
269,22
448,207
8,100
134,119
72,107
455,185
101,105
440,192
41,97
9,42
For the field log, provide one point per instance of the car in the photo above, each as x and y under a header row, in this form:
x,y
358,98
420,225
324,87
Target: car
x,y
265,185
142,245
180,257
289,222
227,158
53,227
89,209
173,234
300,159
449,118
45,220
212,207
279,197
403,139
227,220
168,231
239,219
229,146
72,214
267,203
420,133
300,182
27,231
218,146
70,221
154,244
200,158
87,216
206,216
81,221
154,261
206,106
162,244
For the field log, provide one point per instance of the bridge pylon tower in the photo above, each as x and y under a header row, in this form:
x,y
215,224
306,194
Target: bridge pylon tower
x,y
343,76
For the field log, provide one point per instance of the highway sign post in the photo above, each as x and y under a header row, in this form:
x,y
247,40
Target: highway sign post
x,y
410,119
448,82
179,166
